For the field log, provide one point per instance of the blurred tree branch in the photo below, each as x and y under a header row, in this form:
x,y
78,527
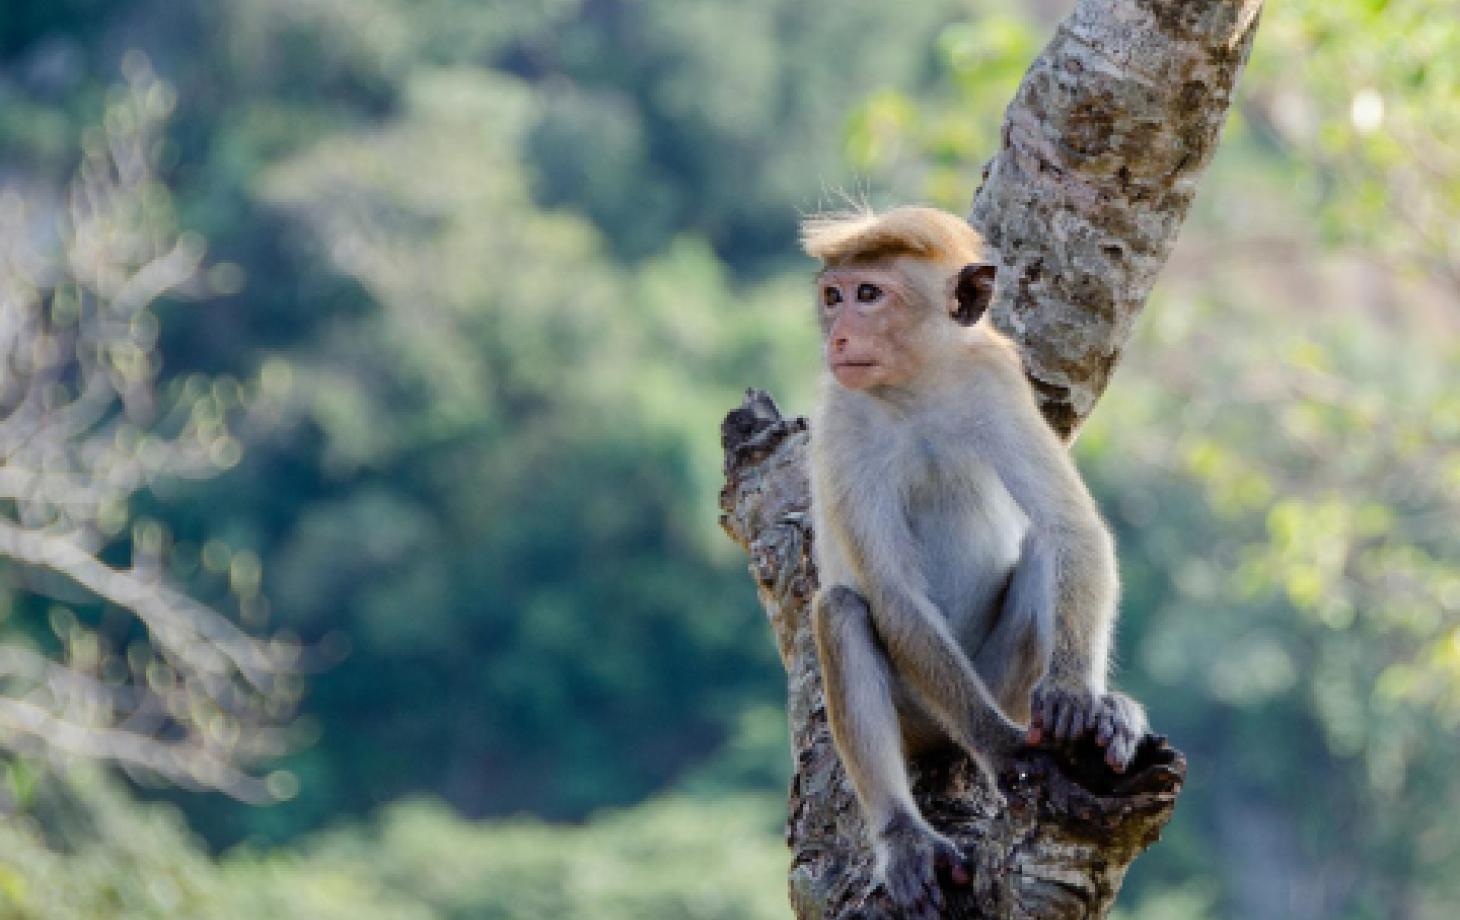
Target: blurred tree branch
x,y
1102,148
86,425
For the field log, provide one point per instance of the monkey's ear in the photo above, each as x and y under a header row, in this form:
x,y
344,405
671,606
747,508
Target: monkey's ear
x,y
972,292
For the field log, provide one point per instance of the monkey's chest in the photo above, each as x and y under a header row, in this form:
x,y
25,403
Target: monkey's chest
x,y
968,531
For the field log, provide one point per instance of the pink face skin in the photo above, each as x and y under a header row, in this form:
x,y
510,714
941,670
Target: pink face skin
x,y
870,326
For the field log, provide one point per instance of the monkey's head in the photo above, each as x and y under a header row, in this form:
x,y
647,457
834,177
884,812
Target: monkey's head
x,y
896,292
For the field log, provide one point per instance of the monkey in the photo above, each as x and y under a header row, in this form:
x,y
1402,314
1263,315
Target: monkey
x,y
969,583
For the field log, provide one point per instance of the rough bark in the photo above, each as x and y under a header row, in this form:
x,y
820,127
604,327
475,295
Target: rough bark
x,y
1102,149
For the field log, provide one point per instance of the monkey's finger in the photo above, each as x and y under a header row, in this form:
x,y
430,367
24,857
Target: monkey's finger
x,y
1122,748
926,897
1128,751
915,889
1036,730
953,865
1085,708
1052,718
935,896
1089,712
1047,711
1106,730
1068,713
904,893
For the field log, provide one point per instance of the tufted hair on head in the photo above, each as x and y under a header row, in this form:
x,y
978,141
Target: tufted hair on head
x,y
864,235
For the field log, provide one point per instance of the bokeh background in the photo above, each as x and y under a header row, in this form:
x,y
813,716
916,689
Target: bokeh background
x,y
396,334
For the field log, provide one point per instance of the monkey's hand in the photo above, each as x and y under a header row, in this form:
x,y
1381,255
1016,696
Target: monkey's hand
x,y
912,860
1061,715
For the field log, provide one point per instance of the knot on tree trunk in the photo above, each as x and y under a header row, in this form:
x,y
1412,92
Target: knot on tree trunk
x,y
1056,838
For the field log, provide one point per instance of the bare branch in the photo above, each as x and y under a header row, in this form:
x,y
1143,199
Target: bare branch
x,y
85,424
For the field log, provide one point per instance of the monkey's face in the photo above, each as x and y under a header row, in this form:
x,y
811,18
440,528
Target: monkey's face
x,y
874,325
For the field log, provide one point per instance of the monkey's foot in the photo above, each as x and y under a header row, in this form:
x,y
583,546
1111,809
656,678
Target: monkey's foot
x,y
1120,724
1057,714
1062,716
913,860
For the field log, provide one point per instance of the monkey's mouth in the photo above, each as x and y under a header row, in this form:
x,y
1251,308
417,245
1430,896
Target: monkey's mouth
x,y
838,365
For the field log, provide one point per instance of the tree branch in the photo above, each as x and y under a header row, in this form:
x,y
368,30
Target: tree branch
x,y
86,423
1102,149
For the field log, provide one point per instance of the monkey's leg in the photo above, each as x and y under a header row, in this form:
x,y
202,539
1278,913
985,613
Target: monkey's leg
x,y
864,723
927,658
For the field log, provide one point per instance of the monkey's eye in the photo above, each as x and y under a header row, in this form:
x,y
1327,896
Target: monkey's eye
x,y
831,296
866,293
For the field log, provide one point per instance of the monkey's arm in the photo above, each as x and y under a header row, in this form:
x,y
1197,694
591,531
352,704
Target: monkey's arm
x,y
1066,534
872,532
1076,576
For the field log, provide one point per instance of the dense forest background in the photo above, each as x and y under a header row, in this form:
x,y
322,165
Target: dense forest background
x,y
499,268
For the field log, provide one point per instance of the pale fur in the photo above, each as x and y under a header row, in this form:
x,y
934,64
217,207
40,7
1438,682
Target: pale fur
x,y
963,557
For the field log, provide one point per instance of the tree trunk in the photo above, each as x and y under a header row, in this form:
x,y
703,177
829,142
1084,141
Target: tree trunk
x,y
1102,149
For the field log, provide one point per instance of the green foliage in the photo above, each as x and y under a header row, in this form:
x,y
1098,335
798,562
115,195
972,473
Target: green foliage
x,y
27,21
1363,97
654,127
1278,455
1347,106
494,487
507,264
930,147
671,858
1288,581
87,853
